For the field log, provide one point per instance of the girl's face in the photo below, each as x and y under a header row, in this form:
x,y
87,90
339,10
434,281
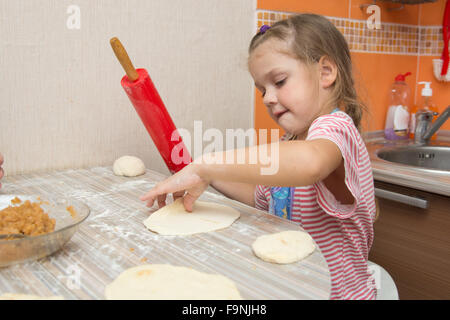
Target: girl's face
x,y
289,88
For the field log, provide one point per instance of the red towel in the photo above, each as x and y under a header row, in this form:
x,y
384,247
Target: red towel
x,y
446,37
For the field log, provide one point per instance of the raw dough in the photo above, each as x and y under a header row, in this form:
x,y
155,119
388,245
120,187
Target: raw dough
x,y
128,166
166,282
173,219
19,296
284,247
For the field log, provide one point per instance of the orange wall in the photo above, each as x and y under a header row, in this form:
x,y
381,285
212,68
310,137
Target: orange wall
x,y
374,73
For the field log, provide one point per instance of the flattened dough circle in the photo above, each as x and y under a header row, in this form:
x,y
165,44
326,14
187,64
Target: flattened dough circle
x,y
284,247
166,282
20,296
173,219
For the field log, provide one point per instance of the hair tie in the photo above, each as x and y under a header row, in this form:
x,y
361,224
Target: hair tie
x,y
264,28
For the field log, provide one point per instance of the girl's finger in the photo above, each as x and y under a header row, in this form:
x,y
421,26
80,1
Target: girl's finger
x,y
144,197
189,201
150,197
162,200
170,185
178,194
152,194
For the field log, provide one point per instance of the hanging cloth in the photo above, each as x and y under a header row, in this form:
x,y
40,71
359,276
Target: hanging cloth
x,y
445,37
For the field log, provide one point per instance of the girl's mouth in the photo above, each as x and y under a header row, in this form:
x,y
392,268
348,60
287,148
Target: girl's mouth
x,y
279,114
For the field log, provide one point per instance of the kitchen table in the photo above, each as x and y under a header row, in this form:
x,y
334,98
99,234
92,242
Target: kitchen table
x,y
113,239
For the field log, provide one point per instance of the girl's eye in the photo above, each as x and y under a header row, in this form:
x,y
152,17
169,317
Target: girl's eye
x,y
281,82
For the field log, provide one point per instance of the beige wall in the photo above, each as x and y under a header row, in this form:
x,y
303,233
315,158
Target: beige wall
x,y
61,103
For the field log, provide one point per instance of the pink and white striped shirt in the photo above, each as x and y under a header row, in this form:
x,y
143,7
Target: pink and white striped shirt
x,y
344,233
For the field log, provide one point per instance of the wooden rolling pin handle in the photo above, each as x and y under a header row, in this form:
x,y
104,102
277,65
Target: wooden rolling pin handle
x,y
124,59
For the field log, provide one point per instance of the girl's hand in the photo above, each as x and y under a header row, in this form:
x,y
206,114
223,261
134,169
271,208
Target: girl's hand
x,y
188,179
1,170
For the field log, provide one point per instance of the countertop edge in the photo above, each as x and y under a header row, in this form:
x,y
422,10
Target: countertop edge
x,y
410,182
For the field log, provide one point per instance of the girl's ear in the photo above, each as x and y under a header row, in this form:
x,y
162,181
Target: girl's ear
x,y
327,72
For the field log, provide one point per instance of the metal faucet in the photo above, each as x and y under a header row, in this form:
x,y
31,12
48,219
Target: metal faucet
x,y
424,126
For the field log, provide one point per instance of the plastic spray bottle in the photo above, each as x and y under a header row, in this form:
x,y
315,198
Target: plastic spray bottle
x,y
398,117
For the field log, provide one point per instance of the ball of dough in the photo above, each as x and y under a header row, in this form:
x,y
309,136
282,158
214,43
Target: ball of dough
x,y
284,247
128,166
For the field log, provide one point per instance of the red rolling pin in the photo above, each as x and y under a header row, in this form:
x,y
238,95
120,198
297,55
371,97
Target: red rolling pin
x,y
150,108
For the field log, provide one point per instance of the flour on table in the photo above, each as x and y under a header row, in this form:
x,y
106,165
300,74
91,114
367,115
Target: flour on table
x,y
167,282
173,219
284,247
128,166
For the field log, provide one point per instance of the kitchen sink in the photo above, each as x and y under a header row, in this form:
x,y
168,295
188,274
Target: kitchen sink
x,y
428,157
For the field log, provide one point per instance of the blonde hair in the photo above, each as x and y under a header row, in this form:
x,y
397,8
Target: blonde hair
x,y
310,37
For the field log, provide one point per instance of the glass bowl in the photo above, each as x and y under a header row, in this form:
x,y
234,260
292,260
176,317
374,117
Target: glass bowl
x,y
36,247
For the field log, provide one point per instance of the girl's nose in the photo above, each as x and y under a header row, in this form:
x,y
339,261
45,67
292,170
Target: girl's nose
x,y
270,98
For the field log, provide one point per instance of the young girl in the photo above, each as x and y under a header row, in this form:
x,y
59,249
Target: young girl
x,y
302,67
